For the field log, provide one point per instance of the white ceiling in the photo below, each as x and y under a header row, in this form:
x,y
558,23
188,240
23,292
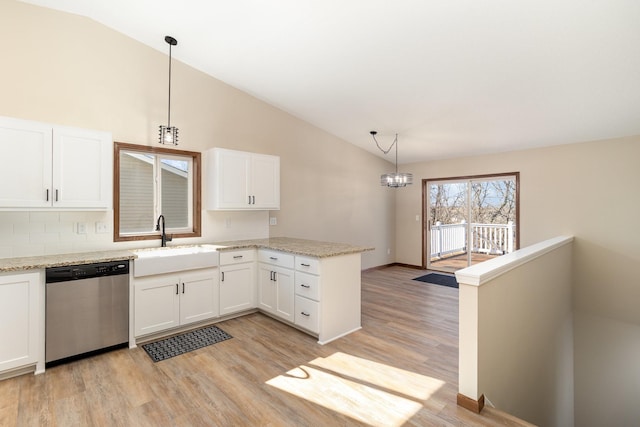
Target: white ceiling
x,y
452,77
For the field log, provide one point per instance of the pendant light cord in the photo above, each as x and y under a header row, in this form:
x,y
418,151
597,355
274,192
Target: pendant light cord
x,y
169,109
395,142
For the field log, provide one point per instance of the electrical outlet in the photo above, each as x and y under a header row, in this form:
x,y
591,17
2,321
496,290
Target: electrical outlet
x,y
273,220
102,227
81,228
388,251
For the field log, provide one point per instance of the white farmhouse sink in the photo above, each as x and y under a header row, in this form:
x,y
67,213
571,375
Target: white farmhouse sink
x,y
168,260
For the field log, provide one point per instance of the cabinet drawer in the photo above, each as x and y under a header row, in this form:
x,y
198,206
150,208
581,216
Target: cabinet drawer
x,y
307,285
276,258
308,265
236,257
307,314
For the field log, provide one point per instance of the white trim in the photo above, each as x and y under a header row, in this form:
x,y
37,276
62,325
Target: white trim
x,y
478,274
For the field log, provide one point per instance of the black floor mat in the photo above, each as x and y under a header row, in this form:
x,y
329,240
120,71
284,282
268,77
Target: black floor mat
x,y
439,279
183,343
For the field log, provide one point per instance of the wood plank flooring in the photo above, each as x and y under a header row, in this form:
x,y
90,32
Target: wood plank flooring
x,y
457,262
400,369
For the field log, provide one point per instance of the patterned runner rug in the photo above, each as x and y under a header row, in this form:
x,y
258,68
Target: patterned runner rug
x,y
183,343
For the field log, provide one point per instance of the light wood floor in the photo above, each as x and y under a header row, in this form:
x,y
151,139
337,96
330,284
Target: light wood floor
x,y
457,262
400,369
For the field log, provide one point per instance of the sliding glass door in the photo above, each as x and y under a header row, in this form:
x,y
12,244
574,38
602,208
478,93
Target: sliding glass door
x,y
469,220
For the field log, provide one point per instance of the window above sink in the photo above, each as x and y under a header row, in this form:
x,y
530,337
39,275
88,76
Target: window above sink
x,y
154,181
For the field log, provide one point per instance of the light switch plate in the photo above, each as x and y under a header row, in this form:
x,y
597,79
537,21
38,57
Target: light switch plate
x,y
273,220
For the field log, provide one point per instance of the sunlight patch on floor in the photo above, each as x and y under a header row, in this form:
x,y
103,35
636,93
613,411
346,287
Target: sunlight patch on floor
x,y
367,391
395,379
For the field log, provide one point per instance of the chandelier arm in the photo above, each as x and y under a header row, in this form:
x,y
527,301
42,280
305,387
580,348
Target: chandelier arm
x,y
390,147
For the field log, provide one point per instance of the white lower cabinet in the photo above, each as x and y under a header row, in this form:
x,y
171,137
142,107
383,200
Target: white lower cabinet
x,y
20,318
275,284
327,301
320,296
237,281
167,301
307,312
275,291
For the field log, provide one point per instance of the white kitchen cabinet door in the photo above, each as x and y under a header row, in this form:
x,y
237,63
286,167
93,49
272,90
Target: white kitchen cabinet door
x,y
229,183
157,303
52,166
239,180
25,150
19,320
265,182
276,291
199,296
266,289
82,168
237,288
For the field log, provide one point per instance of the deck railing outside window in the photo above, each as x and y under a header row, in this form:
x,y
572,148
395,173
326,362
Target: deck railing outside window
x,y
492,239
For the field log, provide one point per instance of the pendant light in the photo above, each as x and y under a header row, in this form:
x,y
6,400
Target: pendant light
x,y
169,134
393,179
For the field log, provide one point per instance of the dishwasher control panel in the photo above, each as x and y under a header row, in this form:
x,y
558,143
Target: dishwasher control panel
x,y
86,271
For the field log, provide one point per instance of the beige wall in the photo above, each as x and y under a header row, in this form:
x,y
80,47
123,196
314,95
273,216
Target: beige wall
x,y
69,70
525,364
588,190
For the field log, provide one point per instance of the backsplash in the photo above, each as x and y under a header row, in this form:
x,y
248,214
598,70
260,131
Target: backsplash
x,y
25,233
45,233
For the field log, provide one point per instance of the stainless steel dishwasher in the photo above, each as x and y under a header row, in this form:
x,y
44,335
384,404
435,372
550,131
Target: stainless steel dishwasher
x,y
87,309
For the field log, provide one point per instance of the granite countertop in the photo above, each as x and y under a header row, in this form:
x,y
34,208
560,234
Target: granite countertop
x,y
44,261
311,248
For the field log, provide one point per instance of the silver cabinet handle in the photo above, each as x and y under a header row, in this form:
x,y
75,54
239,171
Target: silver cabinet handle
x,y
305,314
305,286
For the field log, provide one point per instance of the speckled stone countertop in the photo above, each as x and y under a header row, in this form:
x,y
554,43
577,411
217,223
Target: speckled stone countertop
x,y
44,261
311,248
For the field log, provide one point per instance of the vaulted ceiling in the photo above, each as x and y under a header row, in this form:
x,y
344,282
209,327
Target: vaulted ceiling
x,y
451,77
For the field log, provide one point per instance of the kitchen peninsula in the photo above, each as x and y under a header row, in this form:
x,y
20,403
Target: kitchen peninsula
x,y
311,285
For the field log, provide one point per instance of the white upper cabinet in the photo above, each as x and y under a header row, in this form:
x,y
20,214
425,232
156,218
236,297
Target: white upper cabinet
x,y
25,150
238,180
54,166
82,168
